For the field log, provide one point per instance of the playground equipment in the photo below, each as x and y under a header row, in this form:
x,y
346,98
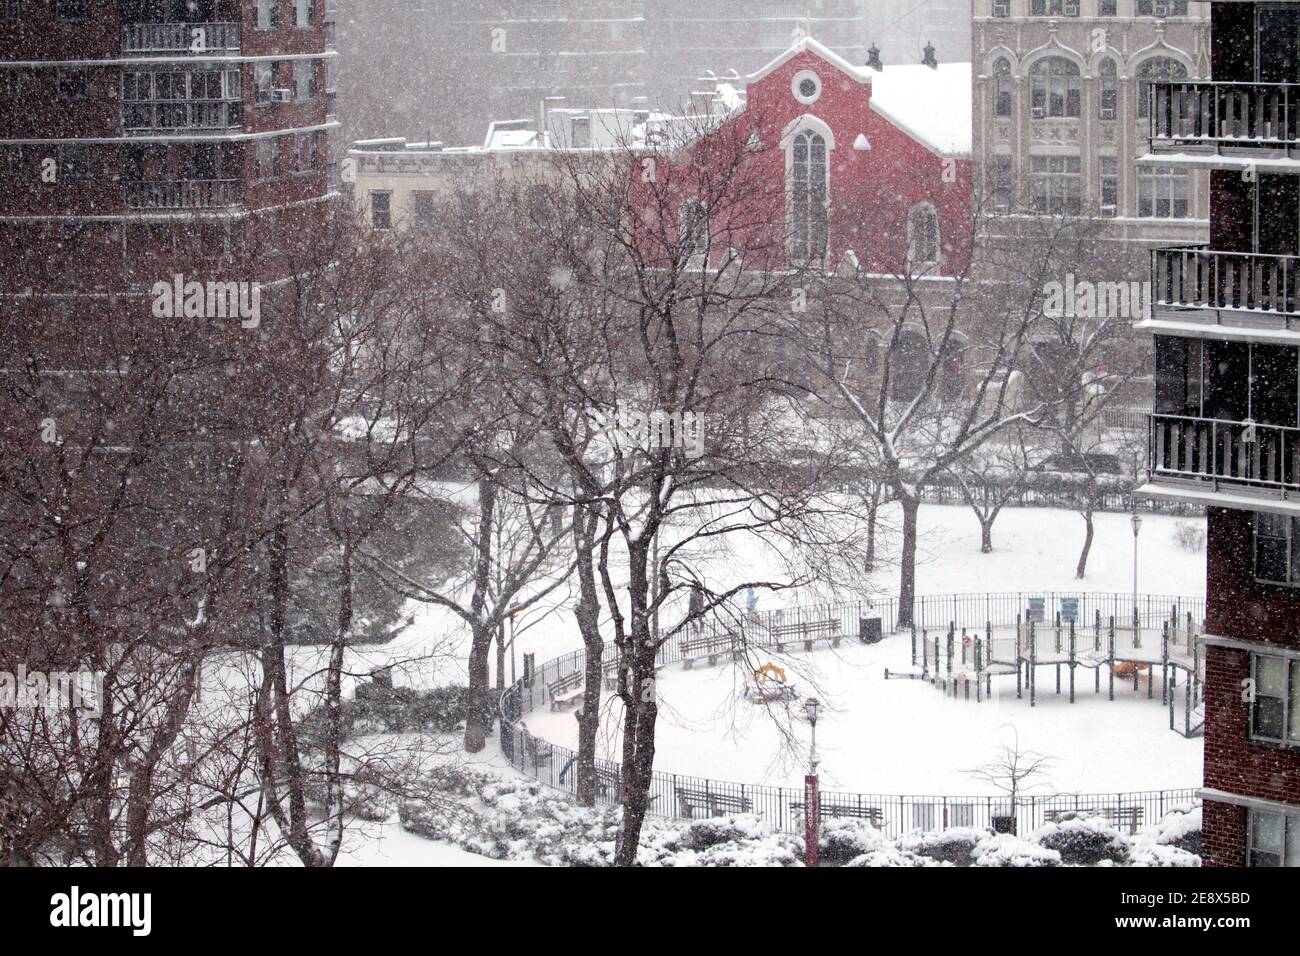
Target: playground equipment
x,y
770,684
964,662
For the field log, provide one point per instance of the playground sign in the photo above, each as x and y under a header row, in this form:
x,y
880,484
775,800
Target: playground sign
x,y
1069,609
1037,609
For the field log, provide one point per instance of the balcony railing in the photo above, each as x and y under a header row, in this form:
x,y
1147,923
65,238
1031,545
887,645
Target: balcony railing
x,y
182,117
1199,278
1244,453
197,38
1212,114
185,194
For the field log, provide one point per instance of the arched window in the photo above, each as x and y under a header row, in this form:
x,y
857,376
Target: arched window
x,y
1002,87
909,365
922,235
809,172
692,228
1156,70
952,368
1054,88
1108,82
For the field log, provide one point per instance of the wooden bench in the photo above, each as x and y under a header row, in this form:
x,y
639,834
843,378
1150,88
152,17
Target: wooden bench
x,y
690,799
565,690
608,780
1130,817
873,815
712,646
807,632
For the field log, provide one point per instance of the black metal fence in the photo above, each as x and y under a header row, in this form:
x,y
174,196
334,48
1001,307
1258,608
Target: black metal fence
x,y
687,797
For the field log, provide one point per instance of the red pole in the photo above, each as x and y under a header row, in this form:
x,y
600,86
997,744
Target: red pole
x,y
812,818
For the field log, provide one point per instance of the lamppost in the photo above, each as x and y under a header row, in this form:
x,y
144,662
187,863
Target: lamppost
x,y
811,797
1136,520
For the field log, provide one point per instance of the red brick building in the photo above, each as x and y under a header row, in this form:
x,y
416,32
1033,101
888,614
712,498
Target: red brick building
x,y
144,137
1225,430
876,162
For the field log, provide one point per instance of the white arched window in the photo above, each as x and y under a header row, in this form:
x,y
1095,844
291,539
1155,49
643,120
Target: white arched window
x,y
1156,70
1002,87
1054,88
922,235
809,176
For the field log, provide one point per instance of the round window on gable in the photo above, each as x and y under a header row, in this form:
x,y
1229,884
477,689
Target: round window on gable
x,y
806,86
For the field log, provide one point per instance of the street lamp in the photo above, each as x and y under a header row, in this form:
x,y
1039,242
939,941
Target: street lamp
x,y
1136,520
811,796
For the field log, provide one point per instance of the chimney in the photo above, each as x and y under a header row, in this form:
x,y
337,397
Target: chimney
x,y
928,59
873,58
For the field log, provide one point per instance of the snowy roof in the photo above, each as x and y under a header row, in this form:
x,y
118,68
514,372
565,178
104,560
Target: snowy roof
x,y
809,45
933,106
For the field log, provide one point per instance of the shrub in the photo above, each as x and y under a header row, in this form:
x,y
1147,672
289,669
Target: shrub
x,y
1189,536
1003,849
843,840
955,846
1084,841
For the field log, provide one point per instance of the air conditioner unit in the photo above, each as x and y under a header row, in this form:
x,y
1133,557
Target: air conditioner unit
x,y
282,96
1037,112
1071,9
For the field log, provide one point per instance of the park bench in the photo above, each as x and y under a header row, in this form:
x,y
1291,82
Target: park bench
x,y
873,815
1130,817
610,780
690,799
712,646
565,690
806,632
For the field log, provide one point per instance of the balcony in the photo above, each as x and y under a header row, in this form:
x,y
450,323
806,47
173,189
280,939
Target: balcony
x,y
1208,116
182,118
1235,288
195,38
1207,451
184,194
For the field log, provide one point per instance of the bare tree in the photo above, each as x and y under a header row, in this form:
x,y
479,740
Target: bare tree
x,y
1013,771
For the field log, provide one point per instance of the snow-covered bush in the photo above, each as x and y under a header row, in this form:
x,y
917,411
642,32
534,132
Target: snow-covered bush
x,y
1173,841
1003,849
955,846
1083,841
843,840
1189,536
890,855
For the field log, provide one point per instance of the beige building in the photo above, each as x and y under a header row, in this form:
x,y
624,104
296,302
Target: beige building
x,y
1061,114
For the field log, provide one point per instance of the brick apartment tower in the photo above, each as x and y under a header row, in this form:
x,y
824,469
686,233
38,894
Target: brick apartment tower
x,y
1226,319
145,136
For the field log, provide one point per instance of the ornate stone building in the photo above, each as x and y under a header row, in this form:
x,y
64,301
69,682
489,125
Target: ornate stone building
x,y
1061,113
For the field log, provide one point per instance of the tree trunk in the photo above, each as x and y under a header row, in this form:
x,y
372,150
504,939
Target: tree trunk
x,y
986,535
480,692
501,657
907,572
587,613
1087,546
638,755
869,564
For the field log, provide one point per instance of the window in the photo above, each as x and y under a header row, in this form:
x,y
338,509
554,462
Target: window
x,y
1158,69
692,228
1106,8
70,9
1162,192
181,99
1002,87
72,84
1002,8
381,216
1054,88
263,82
74,162
304,13
1108,83
1109,187
306,153
1053,8
267,160
1055,185
422,206
304,80
1274,839
1275,711
923,235
806,87
1162,8
808,174
1003,190
8,10
267,14
1277,550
